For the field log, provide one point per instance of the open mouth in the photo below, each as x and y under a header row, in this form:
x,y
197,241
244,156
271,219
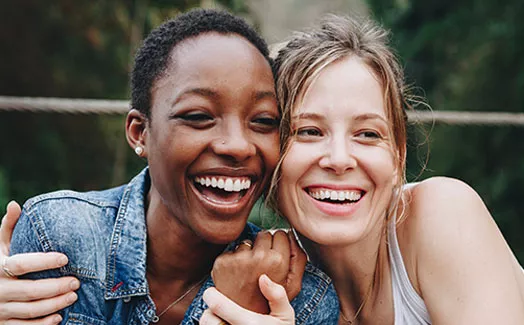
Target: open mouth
x,y
223,189
335,196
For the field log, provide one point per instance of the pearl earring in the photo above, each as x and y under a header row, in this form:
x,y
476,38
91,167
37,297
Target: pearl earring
x,y
139,151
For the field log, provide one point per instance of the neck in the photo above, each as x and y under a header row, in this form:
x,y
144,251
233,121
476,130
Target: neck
x,y
174,251
359,270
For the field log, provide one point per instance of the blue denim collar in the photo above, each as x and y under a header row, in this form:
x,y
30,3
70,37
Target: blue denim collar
x,y
126,262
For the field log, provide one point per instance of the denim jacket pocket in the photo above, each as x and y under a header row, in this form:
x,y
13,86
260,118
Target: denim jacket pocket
x,y
80,319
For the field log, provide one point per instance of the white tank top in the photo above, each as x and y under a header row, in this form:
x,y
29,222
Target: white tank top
x,y
408,305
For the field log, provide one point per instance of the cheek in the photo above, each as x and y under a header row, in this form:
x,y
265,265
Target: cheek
x,y
379,164
268,147
295,164
175,150
297,161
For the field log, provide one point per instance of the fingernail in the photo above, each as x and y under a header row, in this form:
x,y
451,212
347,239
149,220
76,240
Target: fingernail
x,y
264,278
62,260
72,297
74,284
57,319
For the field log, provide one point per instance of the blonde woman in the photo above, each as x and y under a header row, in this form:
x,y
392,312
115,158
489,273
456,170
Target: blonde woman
x,y
425,253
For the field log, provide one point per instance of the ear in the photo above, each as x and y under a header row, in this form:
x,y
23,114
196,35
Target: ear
x,y
136,132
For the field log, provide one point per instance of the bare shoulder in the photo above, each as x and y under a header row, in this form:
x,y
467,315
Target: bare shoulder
x,y
458,253
443,206
435,195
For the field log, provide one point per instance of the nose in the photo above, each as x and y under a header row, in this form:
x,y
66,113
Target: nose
x,y
338,156
234,142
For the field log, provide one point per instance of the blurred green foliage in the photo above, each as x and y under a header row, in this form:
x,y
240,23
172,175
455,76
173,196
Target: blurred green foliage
x,y
466,55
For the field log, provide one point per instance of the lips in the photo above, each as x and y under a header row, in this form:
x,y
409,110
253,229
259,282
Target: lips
x,y
224,194
335,201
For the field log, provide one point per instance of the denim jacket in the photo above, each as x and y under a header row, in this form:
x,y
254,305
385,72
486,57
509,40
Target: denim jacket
x,y
103,233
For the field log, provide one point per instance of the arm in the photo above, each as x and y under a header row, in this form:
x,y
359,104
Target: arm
x,y
21,300
465,270
236,274
222,308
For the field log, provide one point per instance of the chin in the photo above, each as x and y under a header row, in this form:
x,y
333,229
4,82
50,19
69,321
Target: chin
x,y
222,232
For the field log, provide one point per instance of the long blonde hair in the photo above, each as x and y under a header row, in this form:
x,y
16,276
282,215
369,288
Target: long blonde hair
x,y
307,53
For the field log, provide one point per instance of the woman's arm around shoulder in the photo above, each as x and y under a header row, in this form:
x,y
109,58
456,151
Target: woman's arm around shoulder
x,y
465,271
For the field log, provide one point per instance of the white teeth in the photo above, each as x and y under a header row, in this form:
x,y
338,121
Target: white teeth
x,y
229,184
236,186
325,194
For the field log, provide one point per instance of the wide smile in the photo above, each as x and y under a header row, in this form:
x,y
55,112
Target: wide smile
x,y
224,194
335,202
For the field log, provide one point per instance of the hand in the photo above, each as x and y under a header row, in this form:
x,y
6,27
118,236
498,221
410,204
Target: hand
x,y
223,309
22,301
278,256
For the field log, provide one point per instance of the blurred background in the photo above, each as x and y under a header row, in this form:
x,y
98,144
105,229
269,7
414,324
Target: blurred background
x,y
462,55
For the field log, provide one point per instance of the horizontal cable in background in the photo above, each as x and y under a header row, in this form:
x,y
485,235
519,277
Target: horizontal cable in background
x,y
101,106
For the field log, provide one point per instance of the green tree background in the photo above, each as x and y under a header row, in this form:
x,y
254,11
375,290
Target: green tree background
x,y
465,55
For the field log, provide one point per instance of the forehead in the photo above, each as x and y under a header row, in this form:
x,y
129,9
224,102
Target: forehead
x,y
346,86
213,57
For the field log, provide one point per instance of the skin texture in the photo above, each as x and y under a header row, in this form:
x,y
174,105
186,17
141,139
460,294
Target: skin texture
x,y
455,256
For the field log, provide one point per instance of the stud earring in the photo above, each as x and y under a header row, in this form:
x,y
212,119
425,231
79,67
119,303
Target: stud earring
x,y
139,151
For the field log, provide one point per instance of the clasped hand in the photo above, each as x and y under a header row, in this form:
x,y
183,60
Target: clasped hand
x,y
255,284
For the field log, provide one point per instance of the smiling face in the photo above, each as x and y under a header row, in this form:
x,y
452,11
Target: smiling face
x,y
338,173
212,141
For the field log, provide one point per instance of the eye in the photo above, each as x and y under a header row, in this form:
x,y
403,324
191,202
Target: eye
x,y
269,121
308,132
196,117
265,123
369,135
197,120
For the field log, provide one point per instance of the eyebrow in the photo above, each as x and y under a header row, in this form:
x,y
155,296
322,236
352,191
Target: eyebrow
x,y
307,116
210,93
361,117
265,94
370,116
204,92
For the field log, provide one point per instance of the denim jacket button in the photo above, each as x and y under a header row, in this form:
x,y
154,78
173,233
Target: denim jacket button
x,y
127,299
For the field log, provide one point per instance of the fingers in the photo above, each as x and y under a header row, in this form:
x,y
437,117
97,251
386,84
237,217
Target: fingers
x,y
263,241
297,265
208,318
33,262
281,243
245,245
277,298
48,320
226,309
29,290
8,225
34,309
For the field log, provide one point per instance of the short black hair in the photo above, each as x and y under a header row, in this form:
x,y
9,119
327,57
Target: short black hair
x,y
152,57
